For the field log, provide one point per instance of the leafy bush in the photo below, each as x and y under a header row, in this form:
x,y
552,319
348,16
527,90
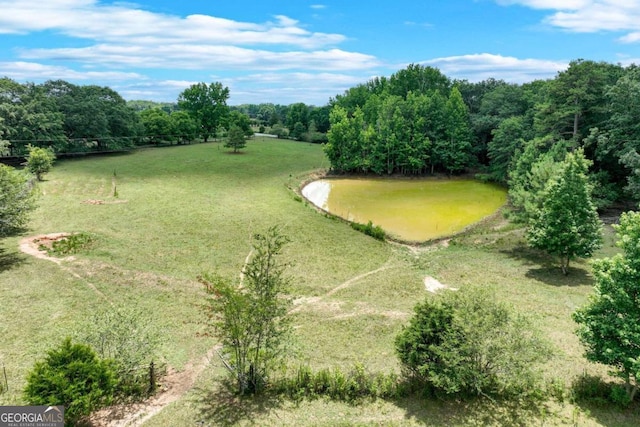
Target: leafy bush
x,y
369,229
468,343
73,244
74,376
128,336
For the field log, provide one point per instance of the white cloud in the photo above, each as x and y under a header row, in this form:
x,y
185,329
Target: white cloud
x,y
279,88
478,67
548,4
588,16
198,57
119,23
287,88
104,40
32,71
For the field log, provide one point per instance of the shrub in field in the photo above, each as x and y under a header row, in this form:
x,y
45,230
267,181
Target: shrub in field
x,y
128,337
468,343
40,161
72,244
74,376
338,385
369,229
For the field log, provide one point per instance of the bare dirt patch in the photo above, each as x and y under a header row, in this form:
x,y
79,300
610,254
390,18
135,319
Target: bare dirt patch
x,y
37,246
174,386
103,202
433,285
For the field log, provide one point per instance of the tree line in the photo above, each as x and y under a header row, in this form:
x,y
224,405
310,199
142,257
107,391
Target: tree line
x,y
68,118
420,121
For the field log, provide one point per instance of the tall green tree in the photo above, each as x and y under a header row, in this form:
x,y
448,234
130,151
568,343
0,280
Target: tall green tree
x,y
418,79
238,119
297,113
184,127
617,142
157,124
533,166
453,152
207,104
567,225
508,138
251,317
95,117
29,117
609,324
576,101
346,141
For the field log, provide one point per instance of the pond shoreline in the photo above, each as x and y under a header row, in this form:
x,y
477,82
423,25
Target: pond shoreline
x,y
314,189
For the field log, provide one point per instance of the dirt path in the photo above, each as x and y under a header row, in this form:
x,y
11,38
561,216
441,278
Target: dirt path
x,y
31,246
174,384
302,303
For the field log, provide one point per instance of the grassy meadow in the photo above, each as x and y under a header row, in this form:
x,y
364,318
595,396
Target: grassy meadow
x,y
184,210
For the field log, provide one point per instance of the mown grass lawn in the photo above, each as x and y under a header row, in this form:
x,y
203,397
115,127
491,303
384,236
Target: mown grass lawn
x,y
184,210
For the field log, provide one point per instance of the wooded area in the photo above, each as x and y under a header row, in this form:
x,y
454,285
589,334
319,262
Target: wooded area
x,y
417,121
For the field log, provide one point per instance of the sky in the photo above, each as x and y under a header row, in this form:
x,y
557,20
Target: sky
x,y
287,51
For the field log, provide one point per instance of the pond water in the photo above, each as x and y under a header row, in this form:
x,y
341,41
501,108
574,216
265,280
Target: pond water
x,y
411,209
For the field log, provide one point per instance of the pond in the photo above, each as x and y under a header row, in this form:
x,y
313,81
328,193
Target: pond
x,y
409,209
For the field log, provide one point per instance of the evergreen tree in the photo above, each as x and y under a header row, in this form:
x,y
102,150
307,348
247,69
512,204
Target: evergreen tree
x,y
235,139
567,225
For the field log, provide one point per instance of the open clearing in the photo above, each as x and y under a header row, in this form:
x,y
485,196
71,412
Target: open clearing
x,y
193,209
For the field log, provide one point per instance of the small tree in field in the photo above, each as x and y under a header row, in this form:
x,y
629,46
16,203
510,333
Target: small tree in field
x,y
235,139
250,317
567,225
40,161
610,321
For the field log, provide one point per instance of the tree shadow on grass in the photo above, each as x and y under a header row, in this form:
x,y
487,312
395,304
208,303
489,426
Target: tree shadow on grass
x,y
470,412
222,407
546,269
9,260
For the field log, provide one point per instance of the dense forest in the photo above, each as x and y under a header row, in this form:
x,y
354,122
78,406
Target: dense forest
x,y
417,121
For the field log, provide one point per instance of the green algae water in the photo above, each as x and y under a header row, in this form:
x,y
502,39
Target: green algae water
x,y
411,210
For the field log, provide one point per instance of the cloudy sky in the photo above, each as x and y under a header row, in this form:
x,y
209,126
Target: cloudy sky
x,y
286,51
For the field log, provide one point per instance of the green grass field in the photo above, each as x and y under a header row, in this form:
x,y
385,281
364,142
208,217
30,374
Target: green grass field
x,y
181,211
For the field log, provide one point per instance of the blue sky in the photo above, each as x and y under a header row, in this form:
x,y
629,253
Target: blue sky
x,y
286,51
